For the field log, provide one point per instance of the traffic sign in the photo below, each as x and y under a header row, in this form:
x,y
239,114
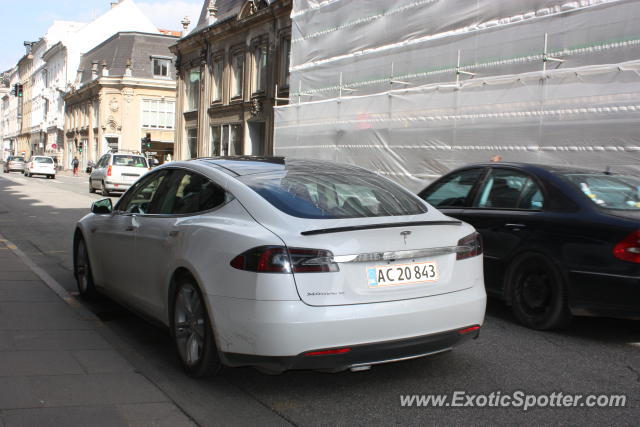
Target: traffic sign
x,y
54,146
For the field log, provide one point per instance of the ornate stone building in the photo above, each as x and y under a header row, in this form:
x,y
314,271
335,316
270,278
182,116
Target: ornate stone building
x,y
124,92
232,69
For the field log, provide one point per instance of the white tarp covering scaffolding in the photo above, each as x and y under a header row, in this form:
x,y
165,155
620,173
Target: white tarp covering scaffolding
x,y
413,88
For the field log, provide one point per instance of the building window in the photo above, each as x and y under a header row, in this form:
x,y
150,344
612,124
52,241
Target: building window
x,y
260,68
158,113
216,140
192,143
193,89
237,74
96,114
161,67
217,69
226,140
285,52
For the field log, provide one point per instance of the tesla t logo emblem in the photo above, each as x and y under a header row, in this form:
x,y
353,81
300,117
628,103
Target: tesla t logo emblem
x,y
405,234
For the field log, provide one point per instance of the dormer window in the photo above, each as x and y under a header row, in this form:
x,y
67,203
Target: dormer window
x,y
161,67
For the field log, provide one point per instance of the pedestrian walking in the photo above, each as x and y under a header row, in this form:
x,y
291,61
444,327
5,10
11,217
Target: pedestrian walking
x,y
75,163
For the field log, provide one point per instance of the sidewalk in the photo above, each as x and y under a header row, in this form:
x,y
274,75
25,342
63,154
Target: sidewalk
x,y
56,369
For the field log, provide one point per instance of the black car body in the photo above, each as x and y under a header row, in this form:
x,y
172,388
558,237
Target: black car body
x,y
553,246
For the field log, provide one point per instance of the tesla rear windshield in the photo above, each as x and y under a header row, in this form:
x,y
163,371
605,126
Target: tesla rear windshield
x,y
15,159
43,160
609,191
325,195
133,161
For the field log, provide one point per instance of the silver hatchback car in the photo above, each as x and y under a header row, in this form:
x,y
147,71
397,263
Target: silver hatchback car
x,y
14,163
117,171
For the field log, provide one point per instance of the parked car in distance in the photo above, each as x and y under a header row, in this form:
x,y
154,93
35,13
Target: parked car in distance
x,y
284,264
14,163
40,165
558,241
117,171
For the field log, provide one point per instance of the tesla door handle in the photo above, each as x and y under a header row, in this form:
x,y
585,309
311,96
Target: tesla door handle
x,y
130,228
173,233
515,226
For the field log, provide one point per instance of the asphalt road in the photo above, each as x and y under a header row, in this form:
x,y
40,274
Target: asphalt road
x,y
593,356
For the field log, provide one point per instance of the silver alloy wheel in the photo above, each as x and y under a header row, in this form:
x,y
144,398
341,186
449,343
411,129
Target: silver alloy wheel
x,y
189,324
82,267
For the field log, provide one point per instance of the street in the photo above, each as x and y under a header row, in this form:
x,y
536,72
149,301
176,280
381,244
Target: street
x,y
593,356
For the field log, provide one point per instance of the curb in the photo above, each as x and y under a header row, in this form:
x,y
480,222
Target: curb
x,y
51,283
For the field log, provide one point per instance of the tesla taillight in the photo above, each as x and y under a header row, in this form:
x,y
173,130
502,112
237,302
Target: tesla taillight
x,y
278,259
629,248
109,171
469,246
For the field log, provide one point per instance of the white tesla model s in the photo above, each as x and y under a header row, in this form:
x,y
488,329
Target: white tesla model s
x,y
284,264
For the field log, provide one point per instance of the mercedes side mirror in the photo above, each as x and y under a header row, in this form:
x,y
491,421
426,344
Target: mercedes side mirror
x,y
102,207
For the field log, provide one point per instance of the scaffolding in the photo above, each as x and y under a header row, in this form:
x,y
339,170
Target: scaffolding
x,y
414,88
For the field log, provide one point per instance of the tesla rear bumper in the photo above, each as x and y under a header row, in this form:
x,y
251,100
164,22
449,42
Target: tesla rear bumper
x,y
359,356
275,334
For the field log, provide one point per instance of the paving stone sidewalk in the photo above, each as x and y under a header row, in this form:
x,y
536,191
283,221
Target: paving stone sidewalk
x,y
56,369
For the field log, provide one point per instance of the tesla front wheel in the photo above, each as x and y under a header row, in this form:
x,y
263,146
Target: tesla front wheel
x,y
192,332
538,293
84,277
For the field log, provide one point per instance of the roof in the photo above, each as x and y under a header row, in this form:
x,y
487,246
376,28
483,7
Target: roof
x,y
117,50
225,9
533,167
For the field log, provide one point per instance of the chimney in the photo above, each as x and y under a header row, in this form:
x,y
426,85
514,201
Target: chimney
x,y
115,3
105,70
79,76
94,70
185,24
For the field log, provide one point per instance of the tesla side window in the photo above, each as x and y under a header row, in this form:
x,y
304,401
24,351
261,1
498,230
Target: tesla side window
x,y
509,189
454,190
190,193
325,195
142,197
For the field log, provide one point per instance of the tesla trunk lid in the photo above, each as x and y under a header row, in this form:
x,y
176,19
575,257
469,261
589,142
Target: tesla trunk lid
x,y
385,263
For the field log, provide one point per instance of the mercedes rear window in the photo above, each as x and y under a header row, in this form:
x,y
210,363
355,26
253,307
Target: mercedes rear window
x,y
15,159
321,195
127,160
608,191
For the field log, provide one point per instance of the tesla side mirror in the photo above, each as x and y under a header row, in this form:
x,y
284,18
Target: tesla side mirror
x,y
102,207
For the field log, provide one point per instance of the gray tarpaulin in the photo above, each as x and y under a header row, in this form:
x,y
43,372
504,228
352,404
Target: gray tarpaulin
x,y
413,88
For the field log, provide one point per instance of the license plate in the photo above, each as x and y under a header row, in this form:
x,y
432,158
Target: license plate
x,y
402,274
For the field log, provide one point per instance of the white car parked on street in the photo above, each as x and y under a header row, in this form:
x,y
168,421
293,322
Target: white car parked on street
x,y
284,264
117,171
40,165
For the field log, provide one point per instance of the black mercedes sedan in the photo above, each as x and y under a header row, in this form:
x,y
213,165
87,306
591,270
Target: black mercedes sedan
x,y
558,241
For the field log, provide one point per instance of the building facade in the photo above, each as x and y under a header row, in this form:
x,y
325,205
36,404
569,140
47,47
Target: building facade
x,y
125,91
8,112
232,69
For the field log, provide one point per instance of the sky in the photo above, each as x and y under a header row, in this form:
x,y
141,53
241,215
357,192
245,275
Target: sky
x,y
28,20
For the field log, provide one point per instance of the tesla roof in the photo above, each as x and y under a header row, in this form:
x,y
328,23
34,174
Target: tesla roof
x,y
245,165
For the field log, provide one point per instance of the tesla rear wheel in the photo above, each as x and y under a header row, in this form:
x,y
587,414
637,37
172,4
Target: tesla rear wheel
x,y
538,293
192,332
84,277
